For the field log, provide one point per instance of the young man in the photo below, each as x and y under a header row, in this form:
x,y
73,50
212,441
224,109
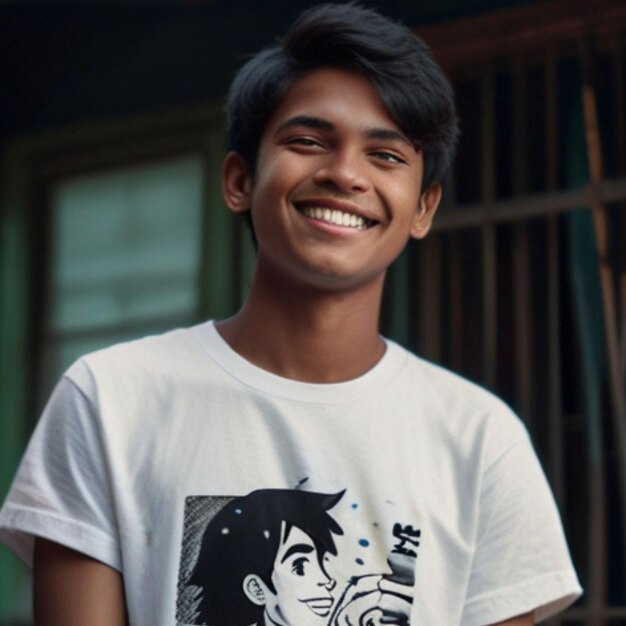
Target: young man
x,y
340,137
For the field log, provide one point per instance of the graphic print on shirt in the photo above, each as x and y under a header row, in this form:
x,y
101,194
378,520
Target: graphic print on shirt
x,y
270,558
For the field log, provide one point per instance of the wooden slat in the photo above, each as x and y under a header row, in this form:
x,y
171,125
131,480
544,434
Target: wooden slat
x,y
490,326
555,401
619,99
604,613
552,124
523,29
602,223
455,285
489,261
397,317
619,121
533,205
218,277
521,255
523,324
430,292
520,134
16,274
556,433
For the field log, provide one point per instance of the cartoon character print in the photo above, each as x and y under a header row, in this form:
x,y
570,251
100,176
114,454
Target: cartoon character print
x,y
263,560
374,600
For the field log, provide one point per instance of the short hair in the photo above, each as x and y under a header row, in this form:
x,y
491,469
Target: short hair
x,y
244,537
411,85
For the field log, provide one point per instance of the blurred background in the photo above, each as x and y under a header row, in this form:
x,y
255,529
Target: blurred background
x,y
112,224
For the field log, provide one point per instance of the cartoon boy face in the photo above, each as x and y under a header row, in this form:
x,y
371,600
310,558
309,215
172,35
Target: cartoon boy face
x,y
302,596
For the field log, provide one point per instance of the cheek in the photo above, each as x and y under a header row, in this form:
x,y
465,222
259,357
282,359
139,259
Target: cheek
x,y
283,581
286,580
283,171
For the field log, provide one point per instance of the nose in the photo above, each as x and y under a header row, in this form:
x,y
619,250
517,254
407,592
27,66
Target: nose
x,y
343,171
329,583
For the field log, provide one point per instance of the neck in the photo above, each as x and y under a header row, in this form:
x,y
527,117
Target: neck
x,y
307,334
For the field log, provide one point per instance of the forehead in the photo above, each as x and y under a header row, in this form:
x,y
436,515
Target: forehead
x,y
343,97
296,541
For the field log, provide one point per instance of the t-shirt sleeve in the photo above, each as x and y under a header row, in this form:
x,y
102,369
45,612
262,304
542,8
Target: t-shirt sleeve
x,y
62,488
521,561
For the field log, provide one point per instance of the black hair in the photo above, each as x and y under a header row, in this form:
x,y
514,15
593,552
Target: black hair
x,y
399,64
244,537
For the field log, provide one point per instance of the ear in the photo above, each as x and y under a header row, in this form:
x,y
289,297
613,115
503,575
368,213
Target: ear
x,y
255,589
236,183
429,201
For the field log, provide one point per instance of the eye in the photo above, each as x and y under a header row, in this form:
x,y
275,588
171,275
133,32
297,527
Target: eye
x,y
304,141
297,567
389,157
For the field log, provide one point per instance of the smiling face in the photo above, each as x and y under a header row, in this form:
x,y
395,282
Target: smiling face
x,y
302,585
336,192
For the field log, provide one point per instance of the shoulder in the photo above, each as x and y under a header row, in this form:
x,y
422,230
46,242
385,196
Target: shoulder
x,y
446,390
457,408
148,357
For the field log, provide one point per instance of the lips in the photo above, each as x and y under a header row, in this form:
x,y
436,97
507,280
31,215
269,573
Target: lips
x,y
335,212
338,218
319,606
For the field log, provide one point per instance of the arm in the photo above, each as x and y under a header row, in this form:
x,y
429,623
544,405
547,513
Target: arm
x,y
520,620
71,589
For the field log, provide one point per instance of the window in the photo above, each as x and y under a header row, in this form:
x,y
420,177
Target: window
x,y
109,232
124,258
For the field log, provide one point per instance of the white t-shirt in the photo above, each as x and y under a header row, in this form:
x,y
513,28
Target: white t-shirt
x,y
227,495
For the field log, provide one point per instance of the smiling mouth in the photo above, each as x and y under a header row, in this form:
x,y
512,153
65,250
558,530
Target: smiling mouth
x,y
319,606
337,217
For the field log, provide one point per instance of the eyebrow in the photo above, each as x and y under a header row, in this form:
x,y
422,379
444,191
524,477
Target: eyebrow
x,y
301,548
387,134
307,121
319,123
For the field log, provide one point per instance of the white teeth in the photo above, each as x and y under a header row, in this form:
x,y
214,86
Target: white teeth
x,y
333,216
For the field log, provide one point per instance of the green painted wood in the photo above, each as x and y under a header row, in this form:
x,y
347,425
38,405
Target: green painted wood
x,y
247,261
218,284
397,300
14,329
